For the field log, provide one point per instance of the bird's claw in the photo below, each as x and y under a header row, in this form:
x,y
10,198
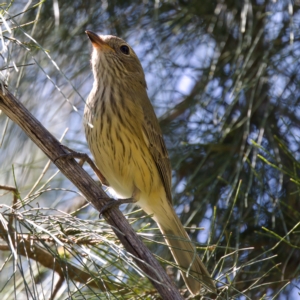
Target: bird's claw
x,y
113,203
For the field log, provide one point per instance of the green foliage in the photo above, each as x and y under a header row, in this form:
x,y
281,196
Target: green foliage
x,y
224,79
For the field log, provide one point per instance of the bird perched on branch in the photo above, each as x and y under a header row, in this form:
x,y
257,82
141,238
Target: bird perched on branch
x,y
126,142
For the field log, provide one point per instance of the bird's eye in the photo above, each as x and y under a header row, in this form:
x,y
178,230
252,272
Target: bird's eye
x,y
124,49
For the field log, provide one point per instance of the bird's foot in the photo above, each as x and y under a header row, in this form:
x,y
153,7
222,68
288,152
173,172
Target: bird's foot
x,y
113,203
83,157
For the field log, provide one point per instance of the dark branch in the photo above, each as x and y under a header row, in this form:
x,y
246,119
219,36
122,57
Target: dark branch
x,y
88,187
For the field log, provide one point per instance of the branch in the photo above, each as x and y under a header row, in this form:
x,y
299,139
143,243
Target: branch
x,y
34,251
27,247
88,187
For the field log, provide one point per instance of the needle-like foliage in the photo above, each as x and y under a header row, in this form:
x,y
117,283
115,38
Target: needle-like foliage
x,y
224,79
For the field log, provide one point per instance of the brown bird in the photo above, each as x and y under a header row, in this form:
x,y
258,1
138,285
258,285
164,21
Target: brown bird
x,y
125,139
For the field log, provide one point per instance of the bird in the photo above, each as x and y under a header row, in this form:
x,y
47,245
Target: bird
x,y
125,139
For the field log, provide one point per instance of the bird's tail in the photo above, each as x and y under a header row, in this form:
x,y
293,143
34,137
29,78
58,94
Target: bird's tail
x,y
184,253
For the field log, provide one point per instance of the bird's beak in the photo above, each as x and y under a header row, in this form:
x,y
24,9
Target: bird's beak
x,y
97,41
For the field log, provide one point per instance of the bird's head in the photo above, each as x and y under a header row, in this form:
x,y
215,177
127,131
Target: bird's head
x,y
113,57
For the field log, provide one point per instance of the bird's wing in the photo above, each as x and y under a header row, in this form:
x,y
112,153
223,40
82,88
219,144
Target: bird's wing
x,y
157,145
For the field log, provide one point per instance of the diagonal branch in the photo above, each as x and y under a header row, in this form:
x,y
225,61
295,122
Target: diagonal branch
x,y
88,187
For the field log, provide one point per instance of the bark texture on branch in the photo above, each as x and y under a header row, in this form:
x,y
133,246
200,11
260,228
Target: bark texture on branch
x,y
88,187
